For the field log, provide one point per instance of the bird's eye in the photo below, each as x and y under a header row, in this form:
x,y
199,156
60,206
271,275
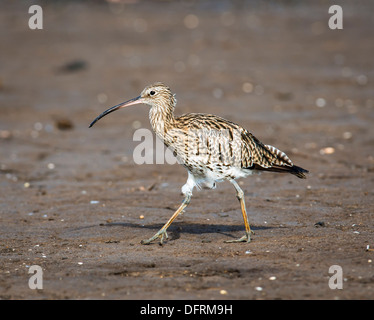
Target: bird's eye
x,y
152,93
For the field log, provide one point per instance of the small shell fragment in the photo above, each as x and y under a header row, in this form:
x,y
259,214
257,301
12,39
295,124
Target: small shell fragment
x,y
320,102
51,166
327,150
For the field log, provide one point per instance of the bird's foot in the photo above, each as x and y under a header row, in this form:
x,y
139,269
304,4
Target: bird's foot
x,y
160,234
245,238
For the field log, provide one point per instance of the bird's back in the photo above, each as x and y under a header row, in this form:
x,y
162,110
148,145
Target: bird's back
x,y
208,142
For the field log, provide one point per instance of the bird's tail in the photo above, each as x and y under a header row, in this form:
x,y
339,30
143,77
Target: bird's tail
x,y
295,170
298,172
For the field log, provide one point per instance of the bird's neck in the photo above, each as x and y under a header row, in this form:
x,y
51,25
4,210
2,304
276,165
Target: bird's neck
x,y
162,119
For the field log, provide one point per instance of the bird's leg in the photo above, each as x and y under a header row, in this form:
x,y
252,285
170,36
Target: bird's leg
x,y
162,232
248,231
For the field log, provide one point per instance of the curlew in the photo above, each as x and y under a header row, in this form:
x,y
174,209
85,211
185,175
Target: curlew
x,y
211,148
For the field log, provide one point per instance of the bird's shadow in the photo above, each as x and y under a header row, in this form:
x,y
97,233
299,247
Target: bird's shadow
x,y
192,228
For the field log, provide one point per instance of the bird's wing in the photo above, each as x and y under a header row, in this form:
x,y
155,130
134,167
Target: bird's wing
x,y
254,152
262,157
236,140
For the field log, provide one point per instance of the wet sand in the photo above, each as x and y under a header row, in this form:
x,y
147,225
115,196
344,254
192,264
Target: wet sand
x,y
74,202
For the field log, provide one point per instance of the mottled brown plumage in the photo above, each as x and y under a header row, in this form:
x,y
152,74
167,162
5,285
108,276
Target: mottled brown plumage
x,y
211,148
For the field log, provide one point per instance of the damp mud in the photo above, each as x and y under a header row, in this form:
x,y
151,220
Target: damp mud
x,y
74,202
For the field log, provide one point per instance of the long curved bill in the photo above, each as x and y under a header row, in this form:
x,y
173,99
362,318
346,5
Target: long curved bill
x,y
117,107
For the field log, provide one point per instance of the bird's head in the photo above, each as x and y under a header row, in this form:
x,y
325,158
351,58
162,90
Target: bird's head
x,y
155,95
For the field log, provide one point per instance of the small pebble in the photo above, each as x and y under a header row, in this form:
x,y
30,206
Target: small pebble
x,y
73,66
247,87
362,79
102,98
38,126
319,224
64,124
5,134
191,21
136,124
320,102
327,150
217,93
